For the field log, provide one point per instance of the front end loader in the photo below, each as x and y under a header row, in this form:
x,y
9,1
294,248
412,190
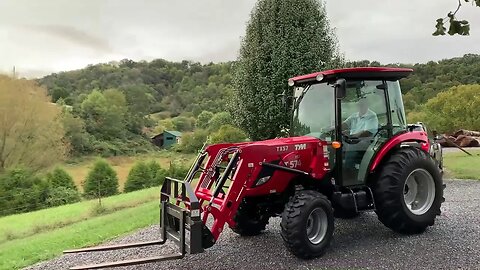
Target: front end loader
x,y
350,150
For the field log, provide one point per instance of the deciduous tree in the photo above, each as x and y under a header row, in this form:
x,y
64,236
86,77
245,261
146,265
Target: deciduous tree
x,y
31,132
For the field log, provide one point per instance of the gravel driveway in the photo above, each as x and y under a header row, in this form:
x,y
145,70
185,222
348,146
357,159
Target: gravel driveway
x,y
453,243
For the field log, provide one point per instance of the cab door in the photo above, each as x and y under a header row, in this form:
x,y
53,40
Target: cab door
x,y
365,127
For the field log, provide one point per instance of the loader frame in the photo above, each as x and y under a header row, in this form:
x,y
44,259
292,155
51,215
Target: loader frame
x,y
182,225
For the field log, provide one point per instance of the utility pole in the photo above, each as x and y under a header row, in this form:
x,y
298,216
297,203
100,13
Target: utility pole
x,y
14,73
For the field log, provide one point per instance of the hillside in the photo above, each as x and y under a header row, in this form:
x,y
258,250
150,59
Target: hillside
x,y
113,103
191,87
161,85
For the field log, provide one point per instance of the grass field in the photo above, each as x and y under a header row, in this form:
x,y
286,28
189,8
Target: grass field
x,y
28,238
462,166
123,164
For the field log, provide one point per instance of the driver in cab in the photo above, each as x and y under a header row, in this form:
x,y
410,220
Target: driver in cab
x,y
361,124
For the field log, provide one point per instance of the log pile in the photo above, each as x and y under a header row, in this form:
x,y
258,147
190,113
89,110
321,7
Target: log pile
x,y
462,138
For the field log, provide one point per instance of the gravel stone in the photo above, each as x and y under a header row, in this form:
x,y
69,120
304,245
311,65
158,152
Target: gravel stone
x,y
452,243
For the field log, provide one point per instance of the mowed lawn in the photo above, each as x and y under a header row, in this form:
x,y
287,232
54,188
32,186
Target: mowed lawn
x,y
459,165
26,239
123,164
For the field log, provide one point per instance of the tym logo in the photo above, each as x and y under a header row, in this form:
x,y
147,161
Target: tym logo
x,y
301,146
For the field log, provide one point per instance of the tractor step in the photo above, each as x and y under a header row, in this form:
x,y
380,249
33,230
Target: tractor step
x,y
181,225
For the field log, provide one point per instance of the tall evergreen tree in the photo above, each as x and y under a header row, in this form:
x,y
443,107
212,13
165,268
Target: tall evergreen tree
x,y
284,38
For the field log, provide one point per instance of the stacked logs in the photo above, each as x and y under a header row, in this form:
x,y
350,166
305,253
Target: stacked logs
x,y
462,138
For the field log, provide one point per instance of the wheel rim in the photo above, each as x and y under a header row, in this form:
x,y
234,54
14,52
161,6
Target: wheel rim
x,y
419,191
317,224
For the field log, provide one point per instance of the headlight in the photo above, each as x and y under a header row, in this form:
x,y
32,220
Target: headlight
x,y
262,181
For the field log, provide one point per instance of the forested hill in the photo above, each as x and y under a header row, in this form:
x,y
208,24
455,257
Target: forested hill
x,y
175,88
116,104
156,86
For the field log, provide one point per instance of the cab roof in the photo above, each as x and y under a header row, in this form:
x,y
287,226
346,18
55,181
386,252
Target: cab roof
x,y
366,73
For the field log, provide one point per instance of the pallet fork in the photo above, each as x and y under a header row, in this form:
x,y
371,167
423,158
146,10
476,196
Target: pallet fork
x,y
182,225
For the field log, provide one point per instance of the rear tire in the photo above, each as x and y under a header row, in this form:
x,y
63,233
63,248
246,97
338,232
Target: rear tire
x,y
249,220
307,224
408,192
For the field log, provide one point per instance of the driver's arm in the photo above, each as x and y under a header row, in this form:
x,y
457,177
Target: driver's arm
x,y
371,127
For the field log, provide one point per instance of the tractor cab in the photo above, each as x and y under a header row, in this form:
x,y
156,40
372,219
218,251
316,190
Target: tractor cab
x,y
361,108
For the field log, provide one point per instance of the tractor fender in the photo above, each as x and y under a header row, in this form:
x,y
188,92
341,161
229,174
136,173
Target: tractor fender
x,y
413,136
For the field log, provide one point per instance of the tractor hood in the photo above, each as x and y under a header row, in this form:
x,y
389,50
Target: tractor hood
x,y
282,141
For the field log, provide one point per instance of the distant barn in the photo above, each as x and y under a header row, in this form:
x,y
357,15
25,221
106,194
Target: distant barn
x,y
167,138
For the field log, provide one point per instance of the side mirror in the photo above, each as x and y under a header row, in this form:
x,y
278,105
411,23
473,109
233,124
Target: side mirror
x,y
340,88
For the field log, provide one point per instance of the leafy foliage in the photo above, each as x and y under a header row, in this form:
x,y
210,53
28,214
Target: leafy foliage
x,y
177,170
101,181
139,177
60,178
218,120
456,108
76,134
157,173
21,191
31,134
104,114
284,38
112,102
61,195
228,134
457,27
145,174
193,142
203,118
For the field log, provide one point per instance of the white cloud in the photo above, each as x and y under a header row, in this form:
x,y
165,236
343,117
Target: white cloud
x,y
53,35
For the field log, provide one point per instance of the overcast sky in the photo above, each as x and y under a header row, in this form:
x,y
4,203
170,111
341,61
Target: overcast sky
x,y
40,37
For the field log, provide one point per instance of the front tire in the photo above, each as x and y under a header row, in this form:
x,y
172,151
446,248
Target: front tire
x,y
249,221
307,224
408,192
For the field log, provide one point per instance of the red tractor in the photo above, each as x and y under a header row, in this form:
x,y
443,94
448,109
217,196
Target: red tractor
x,y
350,150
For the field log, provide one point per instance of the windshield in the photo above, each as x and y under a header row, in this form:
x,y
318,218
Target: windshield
x,y
314,113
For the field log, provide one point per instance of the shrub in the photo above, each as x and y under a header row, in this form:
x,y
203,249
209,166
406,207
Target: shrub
x,y
228,134
193,142
60,178
177,170
139,177
101,180
203,118
62,195
21,191
183,123
218,120
157,173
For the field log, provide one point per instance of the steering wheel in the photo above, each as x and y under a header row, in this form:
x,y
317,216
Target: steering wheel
x,y
351,139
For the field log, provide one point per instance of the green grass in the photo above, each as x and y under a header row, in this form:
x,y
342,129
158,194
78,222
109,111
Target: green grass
x,y
32,237
19,253
459,165
23,225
